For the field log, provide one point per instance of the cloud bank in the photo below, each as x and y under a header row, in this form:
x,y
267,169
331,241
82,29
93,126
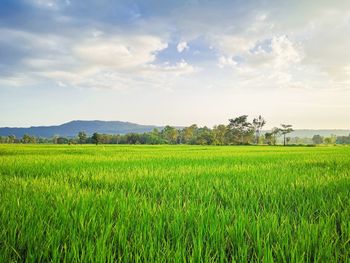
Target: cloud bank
x,y
191,48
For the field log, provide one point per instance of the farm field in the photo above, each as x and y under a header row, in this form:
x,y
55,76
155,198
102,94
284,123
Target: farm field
x,y
174,203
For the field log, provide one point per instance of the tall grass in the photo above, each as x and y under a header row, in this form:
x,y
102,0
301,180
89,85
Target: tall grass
x,y
174,203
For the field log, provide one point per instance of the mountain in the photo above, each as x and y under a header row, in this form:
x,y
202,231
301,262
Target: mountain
x,y
71,129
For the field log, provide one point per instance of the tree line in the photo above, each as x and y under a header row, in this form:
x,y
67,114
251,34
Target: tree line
x,y
333,139
239,131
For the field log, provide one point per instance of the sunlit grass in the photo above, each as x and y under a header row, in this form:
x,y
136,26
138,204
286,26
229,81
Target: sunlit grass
x,y
174,203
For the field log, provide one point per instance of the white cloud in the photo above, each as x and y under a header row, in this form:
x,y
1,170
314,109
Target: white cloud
x,y
294,47
182,46
226,61
285,51
259,49
180,68
233,44
101,62
281,53
119,52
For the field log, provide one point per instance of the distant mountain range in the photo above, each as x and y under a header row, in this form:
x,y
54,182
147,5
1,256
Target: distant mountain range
x,y
71,129
309,133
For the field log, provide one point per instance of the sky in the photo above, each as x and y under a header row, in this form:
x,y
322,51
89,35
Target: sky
x,y
175,62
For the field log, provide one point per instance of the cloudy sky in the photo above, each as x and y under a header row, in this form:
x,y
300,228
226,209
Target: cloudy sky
x,y
175,62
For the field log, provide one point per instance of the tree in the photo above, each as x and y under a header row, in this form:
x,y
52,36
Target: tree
x,y
330,140
333,138
327,140
240,128
96,138
317,139
155,137
269,138
288,139
133,138
343,139
258,124
11,138
82,137
170,134
274,134
220,134
28,139
286,128
62,140
54,139
189,134
205,136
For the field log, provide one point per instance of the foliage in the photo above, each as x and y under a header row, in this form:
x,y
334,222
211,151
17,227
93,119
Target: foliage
x,y
317,139
238,131
286,128
343,139
258,124
28,139
82,137
241,130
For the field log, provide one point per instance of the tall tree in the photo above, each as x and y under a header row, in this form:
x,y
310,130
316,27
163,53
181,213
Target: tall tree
x,y
96,138
220,134
258,124
82,137
286,128
205,136
170,134
133,138
11,138
240,127
275,133
317,139
155,137
330,140
269,138
189,134
28,139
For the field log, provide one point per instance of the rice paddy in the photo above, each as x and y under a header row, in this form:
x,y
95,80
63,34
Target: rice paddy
x,y
174,203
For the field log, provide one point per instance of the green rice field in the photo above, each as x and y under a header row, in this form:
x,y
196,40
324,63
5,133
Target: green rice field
x,y
110,203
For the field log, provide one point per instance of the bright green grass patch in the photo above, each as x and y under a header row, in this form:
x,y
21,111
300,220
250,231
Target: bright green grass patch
x,y
174,203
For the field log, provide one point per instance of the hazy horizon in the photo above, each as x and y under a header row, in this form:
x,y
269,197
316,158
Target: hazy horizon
x,y
176,63
267,127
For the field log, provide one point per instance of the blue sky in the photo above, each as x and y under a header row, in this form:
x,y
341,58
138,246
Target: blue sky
x,y
175,62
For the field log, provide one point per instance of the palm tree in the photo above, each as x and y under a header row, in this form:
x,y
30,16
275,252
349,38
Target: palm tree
x,y
286,128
